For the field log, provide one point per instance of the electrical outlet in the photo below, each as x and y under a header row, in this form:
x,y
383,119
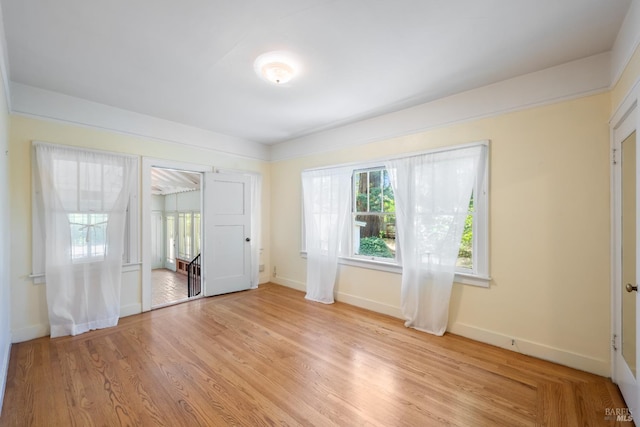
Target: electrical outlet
x,y
274,272
261,268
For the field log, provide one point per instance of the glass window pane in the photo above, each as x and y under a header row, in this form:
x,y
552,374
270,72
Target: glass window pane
x,y
196,231
77,223
188,237
181,236
388,200
375,236
375,191
91,186
361,187
171,238
112,183
97,235
65,177
88,236
465,254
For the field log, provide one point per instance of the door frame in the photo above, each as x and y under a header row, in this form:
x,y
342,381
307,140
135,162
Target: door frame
x,y
147,164
623,122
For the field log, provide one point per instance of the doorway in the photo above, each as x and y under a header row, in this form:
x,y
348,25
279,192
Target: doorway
x,y
626,260
228,225
176,235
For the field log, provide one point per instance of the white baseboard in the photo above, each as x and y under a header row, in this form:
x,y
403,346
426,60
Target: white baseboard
x,y
289,283
30,333
530,348
345,298
370,305
42,330
4,370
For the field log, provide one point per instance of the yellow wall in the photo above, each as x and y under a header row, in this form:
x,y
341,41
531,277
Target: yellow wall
x,y
549,235
31,319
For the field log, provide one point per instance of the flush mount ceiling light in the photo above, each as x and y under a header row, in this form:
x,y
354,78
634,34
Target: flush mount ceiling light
x,y
276,67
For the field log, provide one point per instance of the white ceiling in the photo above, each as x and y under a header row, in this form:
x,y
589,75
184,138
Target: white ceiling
x,y
191,61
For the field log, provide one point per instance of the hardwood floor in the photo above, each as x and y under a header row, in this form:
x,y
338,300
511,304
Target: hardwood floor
x,y
269,357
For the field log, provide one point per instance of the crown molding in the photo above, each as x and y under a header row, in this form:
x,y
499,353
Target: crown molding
x,y
4,63
43,104
626,43
567,81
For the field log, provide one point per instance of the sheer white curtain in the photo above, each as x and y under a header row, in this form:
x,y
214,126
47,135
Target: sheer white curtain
x,y
256,228
85,196
432,194
326,212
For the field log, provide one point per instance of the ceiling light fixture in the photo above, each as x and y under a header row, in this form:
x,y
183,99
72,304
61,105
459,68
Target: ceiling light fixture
x,y
276,67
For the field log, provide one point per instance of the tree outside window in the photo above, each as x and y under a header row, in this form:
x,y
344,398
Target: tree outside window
x,y
374,214
374,219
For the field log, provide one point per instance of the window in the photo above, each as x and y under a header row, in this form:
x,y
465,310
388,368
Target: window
x,y
372,232
171,238
85,185
374,219
188,235
88,236
196,233
185,233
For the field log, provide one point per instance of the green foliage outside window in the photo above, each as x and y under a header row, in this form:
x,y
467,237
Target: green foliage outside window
x,y
466,245
375,207
374,246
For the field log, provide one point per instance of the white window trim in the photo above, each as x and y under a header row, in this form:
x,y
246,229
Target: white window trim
x,y
480,275
132,249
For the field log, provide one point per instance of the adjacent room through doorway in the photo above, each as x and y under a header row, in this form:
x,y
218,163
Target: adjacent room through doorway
x,y
176,236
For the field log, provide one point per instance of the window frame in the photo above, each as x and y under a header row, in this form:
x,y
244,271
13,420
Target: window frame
x,y
131,254
355,213
478,275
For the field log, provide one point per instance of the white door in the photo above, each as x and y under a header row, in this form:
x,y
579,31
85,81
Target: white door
x,y
227,225
627,253
157,240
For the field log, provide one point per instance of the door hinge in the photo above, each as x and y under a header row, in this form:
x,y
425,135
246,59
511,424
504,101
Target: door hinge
x,y
613,342
613,156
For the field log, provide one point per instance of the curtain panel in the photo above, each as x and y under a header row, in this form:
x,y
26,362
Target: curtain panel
x,y
432,194
84,195
326,196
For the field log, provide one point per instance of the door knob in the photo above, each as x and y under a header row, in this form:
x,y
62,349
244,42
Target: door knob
x,y
631,288
248,239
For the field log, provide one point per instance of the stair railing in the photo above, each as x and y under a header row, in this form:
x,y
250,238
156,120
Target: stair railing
x,y
194,282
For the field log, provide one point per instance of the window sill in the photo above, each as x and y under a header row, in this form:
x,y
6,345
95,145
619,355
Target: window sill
x,y
372,264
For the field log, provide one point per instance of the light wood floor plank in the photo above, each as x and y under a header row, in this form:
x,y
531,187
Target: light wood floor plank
x,y
270,357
